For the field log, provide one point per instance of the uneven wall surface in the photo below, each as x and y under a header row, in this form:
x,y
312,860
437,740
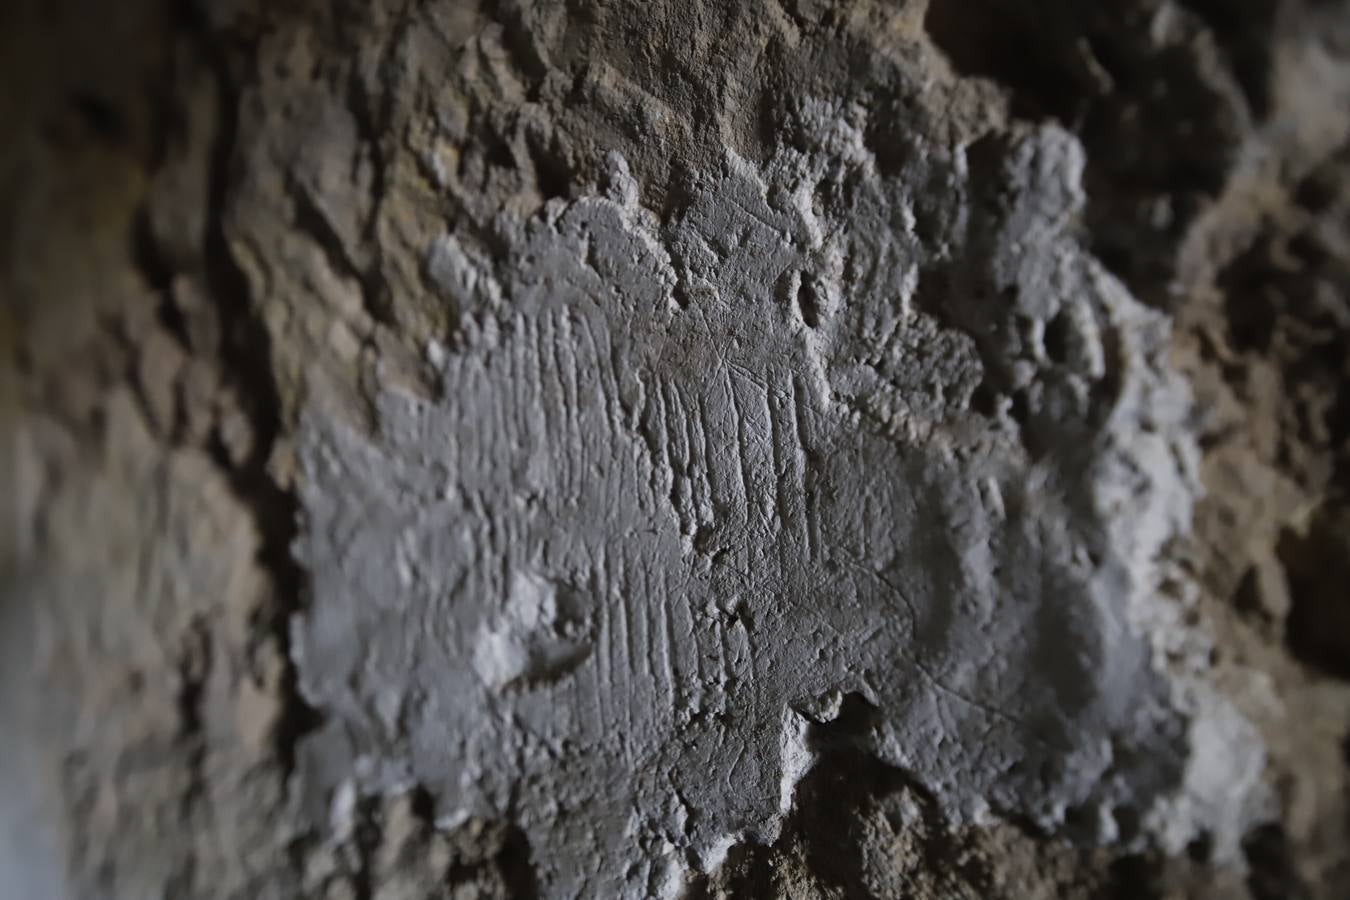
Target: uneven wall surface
x,y
797,449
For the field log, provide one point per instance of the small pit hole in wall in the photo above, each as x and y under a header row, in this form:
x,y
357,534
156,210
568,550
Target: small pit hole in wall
x,y
808,303
984,399
1057,337
1200,848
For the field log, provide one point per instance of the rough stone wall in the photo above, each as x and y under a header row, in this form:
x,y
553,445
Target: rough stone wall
x,y
795,449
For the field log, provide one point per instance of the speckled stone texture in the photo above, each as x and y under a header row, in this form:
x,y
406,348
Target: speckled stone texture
x,y
799,449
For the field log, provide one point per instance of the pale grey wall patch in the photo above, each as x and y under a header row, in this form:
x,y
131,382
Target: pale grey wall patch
x,y
691,479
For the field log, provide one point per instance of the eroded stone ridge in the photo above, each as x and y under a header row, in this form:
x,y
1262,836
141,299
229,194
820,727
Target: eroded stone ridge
x,y
689,482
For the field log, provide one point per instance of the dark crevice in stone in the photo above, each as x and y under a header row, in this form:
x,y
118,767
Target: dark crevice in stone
x,y
101,116
1161,131
998,40
552,174
247,365
1318,568
1272,875
156,271
1134,877
516,869
1243,28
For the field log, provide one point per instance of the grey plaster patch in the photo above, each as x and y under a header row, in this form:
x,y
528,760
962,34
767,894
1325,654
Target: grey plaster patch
x,y
691,481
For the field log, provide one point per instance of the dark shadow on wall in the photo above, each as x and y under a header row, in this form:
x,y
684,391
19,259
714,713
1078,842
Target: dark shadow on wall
x,y
1161,119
